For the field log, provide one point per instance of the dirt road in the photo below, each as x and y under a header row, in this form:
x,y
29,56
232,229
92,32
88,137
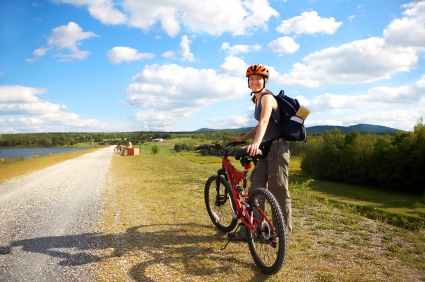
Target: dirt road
x,y
48,220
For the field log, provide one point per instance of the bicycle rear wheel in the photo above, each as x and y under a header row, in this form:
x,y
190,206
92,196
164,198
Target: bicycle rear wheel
x,y
267,247
220,203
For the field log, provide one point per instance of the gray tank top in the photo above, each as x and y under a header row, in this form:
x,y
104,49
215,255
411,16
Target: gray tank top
x,y
272,130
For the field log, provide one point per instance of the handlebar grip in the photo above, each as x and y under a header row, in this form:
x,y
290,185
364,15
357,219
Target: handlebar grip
x,y
201,147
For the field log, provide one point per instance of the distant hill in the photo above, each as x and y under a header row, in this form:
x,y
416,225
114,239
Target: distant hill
x,y
362,128
242,129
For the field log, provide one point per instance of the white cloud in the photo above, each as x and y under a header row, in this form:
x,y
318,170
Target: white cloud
x,y
360,61
331,102
121,54
30,114
365,60
234,65
406,119
10,130
309,22
185,49
309,123
237,121
161,120
235,49
30,120
16,94
172,86
65,38
238,17
284,45
168,54
40,52
179,92
103,10
68,36
2,73
375,97
408,31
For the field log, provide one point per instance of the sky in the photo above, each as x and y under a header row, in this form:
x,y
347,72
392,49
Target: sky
x,y
179,65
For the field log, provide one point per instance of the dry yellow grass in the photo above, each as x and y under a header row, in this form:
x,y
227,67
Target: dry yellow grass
x,y
158,230
19,168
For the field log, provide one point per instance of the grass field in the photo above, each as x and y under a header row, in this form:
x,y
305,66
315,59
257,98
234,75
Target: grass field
x,y
160,231
157,228
397,208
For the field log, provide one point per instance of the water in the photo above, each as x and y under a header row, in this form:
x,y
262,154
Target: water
x,y
29,152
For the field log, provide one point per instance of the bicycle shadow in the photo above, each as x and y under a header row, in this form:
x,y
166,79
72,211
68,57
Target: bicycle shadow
x,y
164,244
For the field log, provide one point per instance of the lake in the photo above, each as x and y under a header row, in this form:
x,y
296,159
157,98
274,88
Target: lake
x,y
29,152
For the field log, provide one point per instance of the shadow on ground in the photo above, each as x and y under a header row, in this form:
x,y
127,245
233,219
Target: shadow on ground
x,y
172,245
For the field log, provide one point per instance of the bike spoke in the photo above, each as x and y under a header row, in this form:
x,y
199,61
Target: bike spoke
x,y
220,207
267,243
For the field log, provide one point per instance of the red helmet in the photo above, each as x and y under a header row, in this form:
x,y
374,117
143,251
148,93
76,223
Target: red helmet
x,y
257,69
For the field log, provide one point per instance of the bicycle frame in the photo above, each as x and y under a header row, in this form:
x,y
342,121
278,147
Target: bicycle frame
x,y
234,177
227,204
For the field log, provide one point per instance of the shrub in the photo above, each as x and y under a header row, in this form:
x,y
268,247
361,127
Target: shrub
x,y
155,149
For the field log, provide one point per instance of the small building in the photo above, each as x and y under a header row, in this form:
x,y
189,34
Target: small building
x,y
158,140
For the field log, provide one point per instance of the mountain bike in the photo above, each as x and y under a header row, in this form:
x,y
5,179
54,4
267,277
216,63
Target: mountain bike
x,y
259,211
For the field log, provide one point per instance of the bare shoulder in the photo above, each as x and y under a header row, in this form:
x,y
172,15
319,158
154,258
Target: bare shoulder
x,y
269,99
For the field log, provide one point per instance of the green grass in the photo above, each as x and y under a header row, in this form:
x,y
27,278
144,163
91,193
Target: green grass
x,y
395,208
155,228
399,209
159,230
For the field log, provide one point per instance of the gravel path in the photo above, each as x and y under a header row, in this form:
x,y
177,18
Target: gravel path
x,y
48,220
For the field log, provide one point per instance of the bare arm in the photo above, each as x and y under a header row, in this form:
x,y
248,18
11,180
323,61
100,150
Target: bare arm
x,y
268,103
245,137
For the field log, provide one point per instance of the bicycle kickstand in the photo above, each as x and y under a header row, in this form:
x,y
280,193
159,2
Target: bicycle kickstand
x,y
228,239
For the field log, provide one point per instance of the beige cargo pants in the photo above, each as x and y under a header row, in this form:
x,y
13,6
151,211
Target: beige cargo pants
x,y
272,173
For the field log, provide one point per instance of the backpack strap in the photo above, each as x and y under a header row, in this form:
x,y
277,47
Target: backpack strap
x,y
268,144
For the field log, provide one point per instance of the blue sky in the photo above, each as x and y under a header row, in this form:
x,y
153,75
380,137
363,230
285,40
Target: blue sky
x,y
135,65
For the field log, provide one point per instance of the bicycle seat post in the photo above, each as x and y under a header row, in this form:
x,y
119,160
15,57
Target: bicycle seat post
x,y
246,169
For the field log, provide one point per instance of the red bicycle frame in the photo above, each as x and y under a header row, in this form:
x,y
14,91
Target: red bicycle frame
x,y
235,176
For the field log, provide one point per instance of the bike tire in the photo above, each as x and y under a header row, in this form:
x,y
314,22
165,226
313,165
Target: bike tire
x,y
268,254
220,210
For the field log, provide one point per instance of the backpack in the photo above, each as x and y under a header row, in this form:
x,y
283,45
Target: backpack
x,y
292,116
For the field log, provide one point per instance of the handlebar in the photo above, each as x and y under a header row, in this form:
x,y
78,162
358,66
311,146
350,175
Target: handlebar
x,y
242,152
218,146
238,153
203,147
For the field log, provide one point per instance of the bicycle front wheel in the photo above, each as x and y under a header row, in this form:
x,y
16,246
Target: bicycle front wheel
x,y
266,244
220,203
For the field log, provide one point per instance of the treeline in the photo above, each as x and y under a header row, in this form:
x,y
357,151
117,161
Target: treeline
x,y
203,152
37,140
394,163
